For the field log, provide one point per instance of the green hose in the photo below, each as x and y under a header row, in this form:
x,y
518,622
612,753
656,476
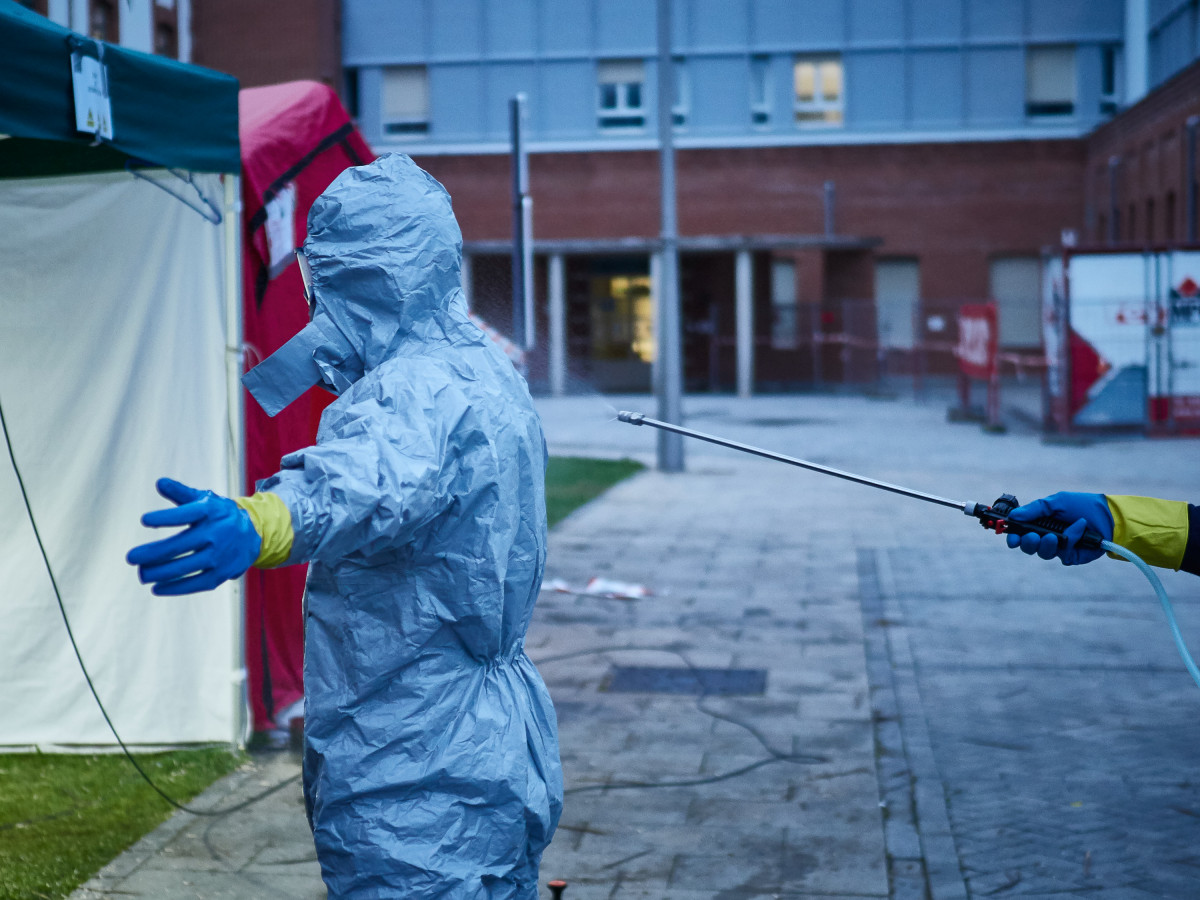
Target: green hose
x,y
1162,598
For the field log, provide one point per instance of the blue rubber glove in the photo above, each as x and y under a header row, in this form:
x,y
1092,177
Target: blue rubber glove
x,y
219,543
1082,510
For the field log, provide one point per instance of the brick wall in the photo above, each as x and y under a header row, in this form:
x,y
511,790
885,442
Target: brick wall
x,y
952,205
1150,143
269,41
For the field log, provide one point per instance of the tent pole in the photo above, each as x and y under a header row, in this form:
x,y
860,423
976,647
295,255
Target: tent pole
x,y
236,461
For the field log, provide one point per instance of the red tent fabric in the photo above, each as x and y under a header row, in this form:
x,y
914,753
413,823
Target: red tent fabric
x,y
296,137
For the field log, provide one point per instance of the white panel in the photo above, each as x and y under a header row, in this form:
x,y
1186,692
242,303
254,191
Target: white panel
x,y
405,94
113,373
1050,75
1016,287
897,290
136,18
783,304
620,71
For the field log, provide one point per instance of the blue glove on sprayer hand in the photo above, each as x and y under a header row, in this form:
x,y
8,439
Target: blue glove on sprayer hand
x,y
1082,510
219,543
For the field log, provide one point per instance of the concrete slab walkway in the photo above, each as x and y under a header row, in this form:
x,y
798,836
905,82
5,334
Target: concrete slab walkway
x,y
941,717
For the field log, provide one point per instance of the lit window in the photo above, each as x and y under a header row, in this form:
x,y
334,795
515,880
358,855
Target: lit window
x,y
1049,82
818,82
619,95
405,100
760,90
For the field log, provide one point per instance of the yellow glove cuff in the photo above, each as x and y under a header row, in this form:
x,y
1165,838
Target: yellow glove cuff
x,y
1156,530
273,522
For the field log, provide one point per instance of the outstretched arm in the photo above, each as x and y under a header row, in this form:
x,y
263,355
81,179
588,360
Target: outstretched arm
x,y
220,542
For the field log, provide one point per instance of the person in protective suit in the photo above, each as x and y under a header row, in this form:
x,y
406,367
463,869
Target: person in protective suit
x,y
1164,533
431,763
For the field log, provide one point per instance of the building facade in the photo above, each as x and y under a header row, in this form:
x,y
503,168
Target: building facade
x,y
848,170
270,41
163,27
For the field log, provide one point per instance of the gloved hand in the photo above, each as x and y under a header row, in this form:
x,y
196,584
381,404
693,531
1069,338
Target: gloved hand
x,y
219,543
1082,510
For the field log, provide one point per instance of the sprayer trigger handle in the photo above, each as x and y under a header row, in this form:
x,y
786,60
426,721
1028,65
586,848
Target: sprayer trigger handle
x,y
1091,539
996,517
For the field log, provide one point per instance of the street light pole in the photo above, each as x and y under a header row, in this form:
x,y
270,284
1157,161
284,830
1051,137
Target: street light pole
x,y
524,325
669,385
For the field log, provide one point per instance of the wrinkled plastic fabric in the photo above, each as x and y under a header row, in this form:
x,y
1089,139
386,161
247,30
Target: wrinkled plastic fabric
x,y
431,753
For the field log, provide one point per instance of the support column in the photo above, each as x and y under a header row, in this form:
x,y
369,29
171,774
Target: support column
x,y
1137,51
558,325
465,272
744,299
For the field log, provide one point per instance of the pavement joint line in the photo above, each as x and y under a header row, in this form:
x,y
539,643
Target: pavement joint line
x,y
942,864
907,879
917,836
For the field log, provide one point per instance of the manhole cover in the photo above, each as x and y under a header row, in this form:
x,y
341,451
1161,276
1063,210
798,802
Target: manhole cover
x,y
662,680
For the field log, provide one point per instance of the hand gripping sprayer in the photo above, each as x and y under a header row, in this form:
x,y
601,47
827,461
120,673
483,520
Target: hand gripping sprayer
x,y
994,518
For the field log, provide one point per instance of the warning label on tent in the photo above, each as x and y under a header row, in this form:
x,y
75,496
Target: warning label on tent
x,y
93,107
281,229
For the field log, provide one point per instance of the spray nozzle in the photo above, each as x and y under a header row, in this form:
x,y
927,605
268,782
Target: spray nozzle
x,y
631,417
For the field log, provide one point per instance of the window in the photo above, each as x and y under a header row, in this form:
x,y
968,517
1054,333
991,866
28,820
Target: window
x,y
683,94
1049,82
619,93
1169,210
166,29
760,90
1150,221
350,90
622,324
166,42
103,23
783,304
818,81
1108,80
405,100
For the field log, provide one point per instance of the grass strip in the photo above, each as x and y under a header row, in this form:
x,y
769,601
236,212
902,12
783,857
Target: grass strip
x,y
572,481
64,816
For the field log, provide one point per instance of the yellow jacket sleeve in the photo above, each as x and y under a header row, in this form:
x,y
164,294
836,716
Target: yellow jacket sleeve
x,y
1156,530
273,522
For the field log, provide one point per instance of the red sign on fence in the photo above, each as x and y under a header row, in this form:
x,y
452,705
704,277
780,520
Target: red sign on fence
x,y
977,339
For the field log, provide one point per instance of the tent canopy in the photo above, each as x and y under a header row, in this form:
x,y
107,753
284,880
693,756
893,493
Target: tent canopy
x,y
165,113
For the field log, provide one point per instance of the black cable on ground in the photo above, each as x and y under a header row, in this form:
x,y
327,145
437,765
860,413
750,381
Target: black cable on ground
x,y
74,646
773,756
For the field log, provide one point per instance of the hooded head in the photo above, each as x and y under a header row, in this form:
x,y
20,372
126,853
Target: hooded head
x,y
385,253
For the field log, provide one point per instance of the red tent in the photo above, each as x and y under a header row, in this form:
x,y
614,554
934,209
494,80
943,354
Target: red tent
x,y
296,138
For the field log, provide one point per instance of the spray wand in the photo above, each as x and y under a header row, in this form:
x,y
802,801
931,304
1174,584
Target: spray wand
x,y
994,518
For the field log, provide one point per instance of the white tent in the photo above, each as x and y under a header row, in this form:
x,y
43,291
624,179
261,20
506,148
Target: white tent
x,y
119,329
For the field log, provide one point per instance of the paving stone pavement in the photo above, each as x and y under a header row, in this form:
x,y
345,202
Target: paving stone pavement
x,y
943,717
